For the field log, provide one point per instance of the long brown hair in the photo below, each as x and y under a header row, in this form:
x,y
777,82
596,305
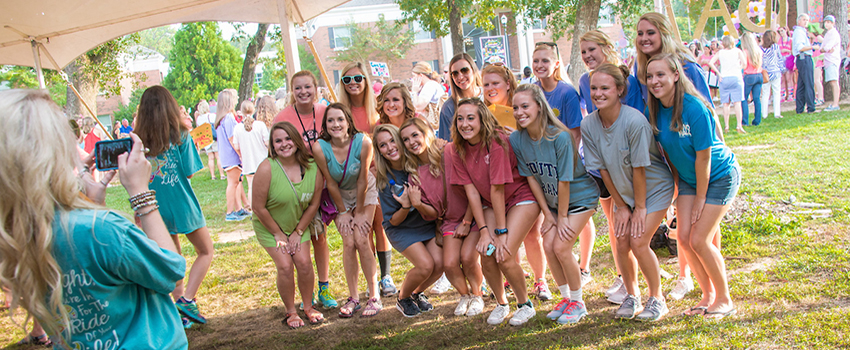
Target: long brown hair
x,y
159,123
409,108
476,77
683,86
435,154
302,156
768,38
352,131
490,127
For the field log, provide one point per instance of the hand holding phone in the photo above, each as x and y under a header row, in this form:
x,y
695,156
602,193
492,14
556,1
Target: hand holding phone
x,y
107,152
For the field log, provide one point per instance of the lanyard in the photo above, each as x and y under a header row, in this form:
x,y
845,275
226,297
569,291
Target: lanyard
x,y
310,136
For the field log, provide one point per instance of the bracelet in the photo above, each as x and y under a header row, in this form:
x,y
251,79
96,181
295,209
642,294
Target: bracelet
x,y
467,222
151,201
155,207
482,227
408,208
345,212
298,232
139,198
500,231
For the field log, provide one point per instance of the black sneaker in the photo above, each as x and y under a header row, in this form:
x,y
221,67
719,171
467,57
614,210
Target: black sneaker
x,y
407,306
422,302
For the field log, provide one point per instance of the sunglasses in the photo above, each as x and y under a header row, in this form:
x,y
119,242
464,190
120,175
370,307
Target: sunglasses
x,y
552,45
348,78
464,71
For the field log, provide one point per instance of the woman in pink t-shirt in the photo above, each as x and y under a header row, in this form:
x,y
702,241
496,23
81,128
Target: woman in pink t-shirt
x,y
486,166
440,200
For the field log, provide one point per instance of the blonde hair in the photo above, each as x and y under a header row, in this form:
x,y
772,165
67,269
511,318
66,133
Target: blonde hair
x,y
226,104
303,73
549,124
435,154
669,44
505,74
728,42
266,110
559,74
599,38
368,93
754,54
409,108
247,109
382,166
37,179
682,87
425,69
203,107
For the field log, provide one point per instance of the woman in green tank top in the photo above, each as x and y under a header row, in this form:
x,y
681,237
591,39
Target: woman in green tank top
x,y
284,206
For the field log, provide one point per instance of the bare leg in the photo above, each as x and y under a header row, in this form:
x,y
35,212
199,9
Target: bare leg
x,y
322,254
250,179
703,257
436,254
739,115
349,264
471,262
285,280
452,263
367,257
203,244
240,198
608,209
726,114
645,257
519,220
588,237
534,250
232,186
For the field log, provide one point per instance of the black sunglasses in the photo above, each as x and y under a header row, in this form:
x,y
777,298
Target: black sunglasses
x,y
357,79
464,71
551,44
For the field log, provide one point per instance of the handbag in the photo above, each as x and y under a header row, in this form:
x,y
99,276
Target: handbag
x,y
326,206
764,77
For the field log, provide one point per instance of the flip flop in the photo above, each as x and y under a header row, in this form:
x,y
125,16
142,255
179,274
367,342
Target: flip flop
x,y
710,315
695,311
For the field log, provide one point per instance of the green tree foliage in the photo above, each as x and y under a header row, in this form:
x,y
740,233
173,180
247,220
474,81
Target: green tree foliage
x,y
274,76
20,77
384,42
126,111
443,16
202,63
561,15
159,39
97,71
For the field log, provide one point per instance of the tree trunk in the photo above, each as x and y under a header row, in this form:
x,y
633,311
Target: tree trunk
x,y
456,28
86,85
246,84
834,7
586,19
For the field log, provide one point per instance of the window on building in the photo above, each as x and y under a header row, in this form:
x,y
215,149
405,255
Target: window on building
x,y
538,24
420,33
340,37
336,77
606,17
258,77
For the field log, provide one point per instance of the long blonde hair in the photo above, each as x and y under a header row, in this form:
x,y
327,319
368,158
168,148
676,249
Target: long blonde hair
x,y
266,110
435,154
226,104
37,179
550,126
382,165
369,94
682,87
409,108
669,44
754,54
605,44
559,74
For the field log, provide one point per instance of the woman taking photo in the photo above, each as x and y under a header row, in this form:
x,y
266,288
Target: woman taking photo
x,y
225,122
499,88
394,105
732,62
408,232
465,83
175,160
286,198
440,200
752,78
707,174
57,214
485,165
618,143
343,155
548,157
305,114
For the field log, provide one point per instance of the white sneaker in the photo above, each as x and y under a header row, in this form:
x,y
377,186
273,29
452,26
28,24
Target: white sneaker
x,y
463,305
499,314
585,278
476,306
618,282
654,310
683,286
618,296
441,286
522,315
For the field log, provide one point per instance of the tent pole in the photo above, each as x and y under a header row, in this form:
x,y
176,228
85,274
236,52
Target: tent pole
x,y
37,59
70,85
321,68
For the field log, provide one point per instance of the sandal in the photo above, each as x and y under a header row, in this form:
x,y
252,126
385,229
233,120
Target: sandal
x,y
293,323
315,317
39,340
351,306
373,306
718,315
695,311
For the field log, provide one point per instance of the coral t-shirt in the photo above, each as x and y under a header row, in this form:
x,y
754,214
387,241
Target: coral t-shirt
x,y
486,165
361,119
309,125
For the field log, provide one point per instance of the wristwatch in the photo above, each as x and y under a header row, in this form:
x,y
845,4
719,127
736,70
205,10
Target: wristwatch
x,y
500,231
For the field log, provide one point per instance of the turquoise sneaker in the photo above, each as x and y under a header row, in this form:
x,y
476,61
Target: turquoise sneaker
x,y
312,300
189,309
326,298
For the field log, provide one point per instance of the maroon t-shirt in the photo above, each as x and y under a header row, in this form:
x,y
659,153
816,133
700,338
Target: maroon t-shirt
x,y
492,165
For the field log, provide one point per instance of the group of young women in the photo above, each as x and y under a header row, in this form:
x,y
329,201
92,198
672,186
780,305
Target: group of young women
x,y
461,203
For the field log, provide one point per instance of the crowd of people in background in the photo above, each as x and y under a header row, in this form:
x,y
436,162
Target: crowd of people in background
x,y
456,173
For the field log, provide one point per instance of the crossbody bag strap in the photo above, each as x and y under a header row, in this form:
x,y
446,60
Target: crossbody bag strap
x,y
297,198
345,167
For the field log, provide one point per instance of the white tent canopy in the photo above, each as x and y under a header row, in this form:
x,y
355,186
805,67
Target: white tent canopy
x,y
69,28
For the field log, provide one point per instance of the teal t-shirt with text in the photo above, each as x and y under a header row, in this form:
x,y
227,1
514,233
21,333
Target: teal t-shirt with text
x,y
170,173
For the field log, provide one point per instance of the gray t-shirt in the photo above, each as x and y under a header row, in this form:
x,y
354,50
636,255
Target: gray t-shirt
x,y
628,144
552,161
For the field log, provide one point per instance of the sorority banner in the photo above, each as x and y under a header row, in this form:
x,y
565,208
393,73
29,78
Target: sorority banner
x,y
494,49
380,69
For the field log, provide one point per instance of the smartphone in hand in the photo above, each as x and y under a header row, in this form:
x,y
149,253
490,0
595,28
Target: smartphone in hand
x,y
107,152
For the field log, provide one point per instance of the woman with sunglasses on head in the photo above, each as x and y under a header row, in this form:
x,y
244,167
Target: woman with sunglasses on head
x,y
707,173
355,92
441,200
395,105
500,198
343,154
618,143
408,231
499,88
286,198
560,94
305,114
465,83
548,157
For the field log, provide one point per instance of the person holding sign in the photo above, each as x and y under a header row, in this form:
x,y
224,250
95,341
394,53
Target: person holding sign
x,y
84,263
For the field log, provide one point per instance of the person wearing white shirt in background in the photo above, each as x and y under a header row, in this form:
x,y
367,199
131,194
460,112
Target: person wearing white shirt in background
x,y
832,59
802,48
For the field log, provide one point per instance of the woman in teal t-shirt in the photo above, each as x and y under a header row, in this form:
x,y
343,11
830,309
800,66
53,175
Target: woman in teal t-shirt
x,y
92,278
285,203
175,160
704,168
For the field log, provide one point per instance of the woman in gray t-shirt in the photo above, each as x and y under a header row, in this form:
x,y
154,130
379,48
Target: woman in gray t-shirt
x,y
618,142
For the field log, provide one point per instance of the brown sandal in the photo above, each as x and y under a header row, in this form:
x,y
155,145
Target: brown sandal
x,y
351,305
315,317
295,322
373,306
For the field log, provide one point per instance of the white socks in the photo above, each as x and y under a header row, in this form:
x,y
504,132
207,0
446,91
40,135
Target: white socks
x,y
564,289
575,295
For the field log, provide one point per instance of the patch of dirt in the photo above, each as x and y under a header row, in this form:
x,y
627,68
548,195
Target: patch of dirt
x,y
759,264
235,236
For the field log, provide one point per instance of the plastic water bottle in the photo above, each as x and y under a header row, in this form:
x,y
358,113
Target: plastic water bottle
x,y
396,188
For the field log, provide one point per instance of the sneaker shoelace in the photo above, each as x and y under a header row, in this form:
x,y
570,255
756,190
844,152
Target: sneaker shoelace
x,y
561,303
571,306
629,302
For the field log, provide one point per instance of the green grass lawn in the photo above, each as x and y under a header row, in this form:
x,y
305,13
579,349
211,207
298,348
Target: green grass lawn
x,y
789,273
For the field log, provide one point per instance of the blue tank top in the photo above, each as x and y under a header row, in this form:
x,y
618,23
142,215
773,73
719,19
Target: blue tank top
x,y
335,167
